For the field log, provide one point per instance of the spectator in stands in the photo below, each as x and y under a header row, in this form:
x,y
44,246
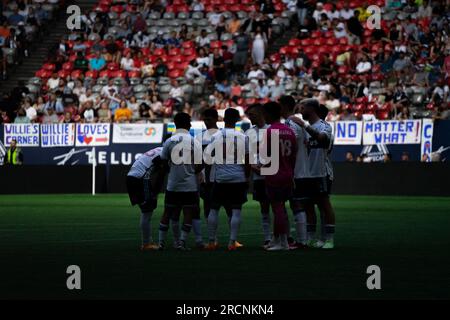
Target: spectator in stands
x,y
14,155
242,44
302,10
161,68
202,40
123,113
54,103
97,63
214,17
349,157
103,113
234,24
355,29
317,14
218,66
197,6
50,116
259,46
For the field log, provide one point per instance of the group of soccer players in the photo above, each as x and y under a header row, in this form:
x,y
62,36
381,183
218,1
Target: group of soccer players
x,y
303,177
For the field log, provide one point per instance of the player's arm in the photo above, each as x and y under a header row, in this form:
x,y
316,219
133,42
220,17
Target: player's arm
x,y
321,137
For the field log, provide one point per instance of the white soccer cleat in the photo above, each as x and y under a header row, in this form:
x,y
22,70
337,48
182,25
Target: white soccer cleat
x,y
316,244
278,247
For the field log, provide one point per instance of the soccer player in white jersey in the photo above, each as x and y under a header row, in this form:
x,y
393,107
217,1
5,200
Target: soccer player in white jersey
x,y
230,171
210,117
144,182
181,151
255,134
318,184
300,202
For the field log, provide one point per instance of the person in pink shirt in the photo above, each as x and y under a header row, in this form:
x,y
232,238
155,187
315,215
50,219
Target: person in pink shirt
x,y
279,186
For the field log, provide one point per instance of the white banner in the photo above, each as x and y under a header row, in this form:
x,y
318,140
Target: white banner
x,y
347,132
93,134
57,135
426,146
26,134
392,132
138,133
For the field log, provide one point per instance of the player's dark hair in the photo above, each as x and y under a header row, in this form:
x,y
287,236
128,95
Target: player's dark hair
x,y
273,110
182,121
312,103
231,116
323,112
257,106
288,102
210,113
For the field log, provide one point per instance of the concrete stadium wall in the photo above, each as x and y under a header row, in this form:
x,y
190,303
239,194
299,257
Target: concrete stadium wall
x,y
413,179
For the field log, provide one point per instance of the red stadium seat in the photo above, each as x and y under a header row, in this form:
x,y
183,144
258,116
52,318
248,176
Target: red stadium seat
x,y
275,57
215,44
77,74
63,74
49,67
189,51
175,73
159,51
113,66
91,74
294,42
105,74
188,45
174,52
68,66
134,74
382,115
119,74
117,9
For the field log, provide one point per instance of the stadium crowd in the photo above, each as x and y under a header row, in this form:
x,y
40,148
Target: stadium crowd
x,y
147,60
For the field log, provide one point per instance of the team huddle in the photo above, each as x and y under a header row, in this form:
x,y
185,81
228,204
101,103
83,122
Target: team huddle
x,y
218,166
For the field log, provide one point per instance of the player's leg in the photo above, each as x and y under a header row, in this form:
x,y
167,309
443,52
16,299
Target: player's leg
x,y
260,195
138,191
278,196
171,211
197,228
237,196
190,204
329,218
175,224
213,216
279,227
298,205
299,213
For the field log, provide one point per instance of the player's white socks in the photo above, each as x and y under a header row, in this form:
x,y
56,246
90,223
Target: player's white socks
x,y
185,229
329,232
197,228
175,230
235,224
265,217
311,229
145,223
300,226
213,222
163,228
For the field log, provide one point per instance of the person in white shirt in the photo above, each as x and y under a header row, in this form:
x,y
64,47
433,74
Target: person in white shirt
x,y
182,187
363,66
346,12
230,177
192,71
214,18
127,63
202,39
144,182
109,90
318,11
196,5
53,82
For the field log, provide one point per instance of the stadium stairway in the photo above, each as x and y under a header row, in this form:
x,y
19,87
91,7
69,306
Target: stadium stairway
x,y
39,50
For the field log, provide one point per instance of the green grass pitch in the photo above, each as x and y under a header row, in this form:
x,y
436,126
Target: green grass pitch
x,y
40,236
